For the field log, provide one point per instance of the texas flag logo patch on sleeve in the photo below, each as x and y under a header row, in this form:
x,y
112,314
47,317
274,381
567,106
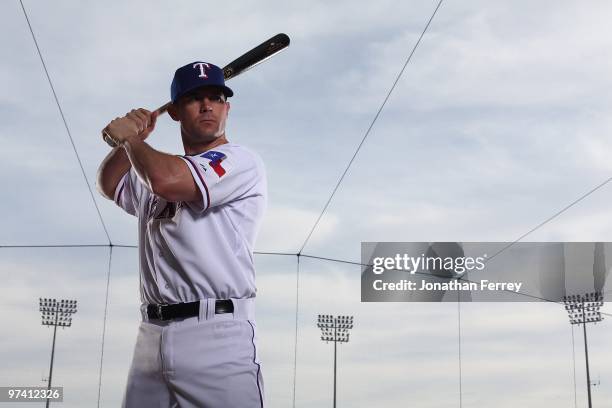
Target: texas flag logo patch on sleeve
x,y
216,158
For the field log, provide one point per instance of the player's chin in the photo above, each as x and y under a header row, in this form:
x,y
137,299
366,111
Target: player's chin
x,y
208,127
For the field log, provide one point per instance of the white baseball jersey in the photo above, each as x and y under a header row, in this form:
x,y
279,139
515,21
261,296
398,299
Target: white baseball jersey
x,y
200,250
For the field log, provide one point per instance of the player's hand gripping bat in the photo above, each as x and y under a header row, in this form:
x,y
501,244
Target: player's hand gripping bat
x,y
241,64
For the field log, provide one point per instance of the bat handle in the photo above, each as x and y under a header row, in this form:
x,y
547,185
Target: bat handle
x,y
108,139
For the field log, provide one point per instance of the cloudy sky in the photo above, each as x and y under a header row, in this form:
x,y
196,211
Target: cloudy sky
x,y
500,120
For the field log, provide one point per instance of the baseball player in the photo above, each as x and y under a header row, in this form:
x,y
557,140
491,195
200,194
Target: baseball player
x,y
198,215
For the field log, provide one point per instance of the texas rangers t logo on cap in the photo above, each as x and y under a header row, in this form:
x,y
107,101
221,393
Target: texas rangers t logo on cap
x,y
203,68
194,75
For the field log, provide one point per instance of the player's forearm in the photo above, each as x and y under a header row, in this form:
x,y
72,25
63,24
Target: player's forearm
x,y
111,170
159,171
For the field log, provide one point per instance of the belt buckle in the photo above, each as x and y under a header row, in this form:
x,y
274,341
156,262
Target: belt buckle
x,y
160,308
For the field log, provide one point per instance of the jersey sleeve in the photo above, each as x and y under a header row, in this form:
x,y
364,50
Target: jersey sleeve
x,y
223,177
130,193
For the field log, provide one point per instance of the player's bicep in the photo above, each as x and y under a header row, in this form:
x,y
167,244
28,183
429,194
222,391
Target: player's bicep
x,y
178,185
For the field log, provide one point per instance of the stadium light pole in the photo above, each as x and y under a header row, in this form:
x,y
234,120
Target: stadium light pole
x,y
583,309
56,314
335,329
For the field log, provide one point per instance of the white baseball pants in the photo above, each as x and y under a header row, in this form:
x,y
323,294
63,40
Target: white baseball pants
x,y
209,361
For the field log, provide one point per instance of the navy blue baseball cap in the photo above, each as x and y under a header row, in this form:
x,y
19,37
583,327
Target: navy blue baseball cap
x,y
197,74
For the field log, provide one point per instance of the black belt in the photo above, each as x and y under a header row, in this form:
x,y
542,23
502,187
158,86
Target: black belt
x,y
177,310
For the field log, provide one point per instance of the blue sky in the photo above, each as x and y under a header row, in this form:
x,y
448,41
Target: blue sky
x,y
500,120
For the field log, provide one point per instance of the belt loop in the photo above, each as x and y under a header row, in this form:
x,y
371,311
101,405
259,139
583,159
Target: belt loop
x,y
203,307
143,312
210,308
238,311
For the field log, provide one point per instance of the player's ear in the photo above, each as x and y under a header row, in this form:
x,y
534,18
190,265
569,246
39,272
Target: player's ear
x,y
173,112
228,106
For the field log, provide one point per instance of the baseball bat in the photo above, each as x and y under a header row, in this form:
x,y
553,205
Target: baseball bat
x,y
238,66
